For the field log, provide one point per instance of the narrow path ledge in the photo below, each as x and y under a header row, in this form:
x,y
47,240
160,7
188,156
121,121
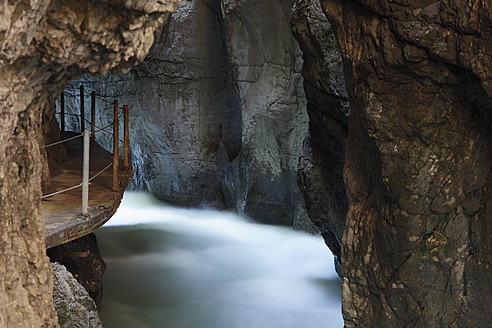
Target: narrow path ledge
x,y
62,212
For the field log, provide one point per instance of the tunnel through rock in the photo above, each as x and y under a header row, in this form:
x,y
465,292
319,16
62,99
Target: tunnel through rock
x,y
414,155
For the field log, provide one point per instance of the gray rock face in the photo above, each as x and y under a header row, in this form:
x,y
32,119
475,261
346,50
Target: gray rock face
x,y
323,156
88,270
182,89
266,67
73,305
222,110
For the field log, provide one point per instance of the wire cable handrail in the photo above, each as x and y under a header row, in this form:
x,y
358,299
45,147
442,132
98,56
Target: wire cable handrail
x,y
79,185
104,129
61,191
87,94
95,129
99,128
107,167
67,114
61,141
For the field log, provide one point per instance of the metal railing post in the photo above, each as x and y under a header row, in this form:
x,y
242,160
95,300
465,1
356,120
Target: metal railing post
x,y
82,114
115,146
85,174
126,139
62,111
93,117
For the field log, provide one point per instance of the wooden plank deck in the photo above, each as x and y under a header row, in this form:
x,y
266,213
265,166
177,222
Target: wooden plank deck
x,y
62,212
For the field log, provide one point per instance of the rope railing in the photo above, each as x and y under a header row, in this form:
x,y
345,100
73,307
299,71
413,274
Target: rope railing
x,y
86,134
87,94
103,128
96,129
95,175
79,185
61,141
70,114
62,191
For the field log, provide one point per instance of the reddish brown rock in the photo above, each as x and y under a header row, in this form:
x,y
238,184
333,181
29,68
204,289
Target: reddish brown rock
x,y
417,248
43,45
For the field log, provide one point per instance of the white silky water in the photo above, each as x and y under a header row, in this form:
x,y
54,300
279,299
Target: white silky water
x,y
189,268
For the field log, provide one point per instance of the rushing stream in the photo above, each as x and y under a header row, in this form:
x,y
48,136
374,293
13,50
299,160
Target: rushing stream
x,y
187,268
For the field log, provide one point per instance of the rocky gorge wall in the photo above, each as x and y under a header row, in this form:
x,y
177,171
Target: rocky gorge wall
x,y
416,250
395,168
416,162
218,110
73,304
44,45
320,174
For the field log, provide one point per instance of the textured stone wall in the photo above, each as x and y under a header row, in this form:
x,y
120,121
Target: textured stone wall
x,y
74,306
43,45
320,175
181,87
88,270
417,245
266,68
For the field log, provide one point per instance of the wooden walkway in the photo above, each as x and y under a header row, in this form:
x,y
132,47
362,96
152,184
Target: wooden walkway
x,y
62,212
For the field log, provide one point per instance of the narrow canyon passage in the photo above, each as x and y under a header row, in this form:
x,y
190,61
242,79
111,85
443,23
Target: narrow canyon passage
x,y
171,267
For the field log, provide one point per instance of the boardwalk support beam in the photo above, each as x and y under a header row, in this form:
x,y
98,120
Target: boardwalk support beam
x,y
82,113
93,117
115,146
126,139
85,175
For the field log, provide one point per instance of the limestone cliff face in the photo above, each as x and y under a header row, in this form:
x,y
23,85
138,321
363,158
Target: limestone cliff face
x,y
44,44
222,109
417,248
89,270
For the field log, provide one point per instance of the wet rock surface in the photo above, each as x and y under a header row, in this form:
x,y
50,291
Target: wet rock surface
x,y
180,88
416,248
43,45
74,307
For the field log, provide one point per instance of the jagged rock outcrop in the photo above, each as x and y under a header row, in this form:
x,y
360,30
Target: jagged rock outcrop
x,y
74,307
320,175
88,269
417,249
43,45
222,110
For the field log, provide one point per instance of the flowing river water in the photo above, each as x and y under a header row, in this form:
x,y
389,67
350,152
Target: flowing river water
x,y
188,268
